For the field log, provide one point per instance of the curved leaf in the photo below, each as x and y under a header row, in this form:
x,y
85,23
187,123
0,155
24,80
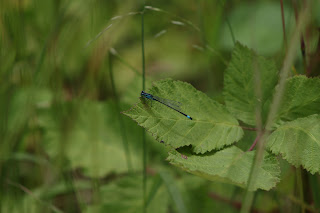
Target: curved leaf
x,y
298,142
301,98
229,165
211,127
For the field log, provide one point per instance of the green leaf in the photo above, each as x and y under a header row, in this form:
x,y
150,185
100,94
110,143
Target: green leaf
x,y
301,98
93,141
229,165
125,195
22,104
173,190
241,85
298,142
211,127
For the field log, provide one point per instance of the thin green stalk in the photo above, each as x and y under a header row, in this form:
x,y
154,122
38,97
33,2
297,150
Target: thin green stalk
x,y
288,61
283,25
297,201
121,59
34,196
173,191
229,26
144,143
189,23
122,126
300,188
302,43
315,186
157,183
142,49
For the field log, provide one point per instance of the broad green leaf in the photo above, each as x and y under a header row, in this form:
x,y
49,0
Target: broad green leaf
x,y
242,84
229,165
125,195
93,139
298,142
211,127
301,98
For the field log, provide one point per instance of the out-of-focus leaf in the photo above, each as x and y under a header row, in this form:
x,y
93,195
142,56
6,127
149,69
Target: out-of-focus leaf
x,y
229,165
298,142
173,190
30,202
93,140
23,103
251,23
125,195
211,127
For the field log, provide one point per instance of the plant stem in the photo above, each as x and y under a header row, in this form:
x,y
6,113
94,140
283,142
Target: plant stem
x,y
249,128
300,188
144,144
122,126
283,26
288,61
255,141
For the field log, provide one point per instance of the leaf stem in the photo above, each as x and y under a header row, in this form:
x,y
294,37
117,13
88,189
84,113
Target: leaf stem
x,y
255,141
283,26
249,128
302,43
122,60
228,24
288,61
300,188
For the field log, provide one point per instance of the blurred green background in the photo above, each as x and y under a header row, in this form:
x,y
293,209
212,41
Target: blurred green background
x,y
65,147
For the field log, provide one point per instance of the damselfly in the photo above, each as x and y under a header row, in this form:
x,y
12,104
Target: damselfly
x,y
169,103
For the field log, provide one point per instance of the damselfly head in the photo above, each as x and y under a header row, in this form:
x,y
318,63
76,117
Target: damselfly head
x,y
142,93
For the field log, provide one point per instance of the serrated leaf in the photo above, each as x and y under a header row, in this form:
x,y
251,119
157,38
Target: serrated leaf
x,y
240,81
211,127
298,142
229,165
301,98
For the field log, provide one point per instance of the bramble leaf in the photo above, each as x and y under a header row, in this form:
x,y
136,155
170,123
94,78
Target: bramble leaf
x,y
301,98
211,127
229,165
298,142
240,83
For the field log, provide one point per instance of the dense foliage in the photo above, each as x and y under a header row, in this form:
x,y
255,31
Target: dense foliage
x,y
77,136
